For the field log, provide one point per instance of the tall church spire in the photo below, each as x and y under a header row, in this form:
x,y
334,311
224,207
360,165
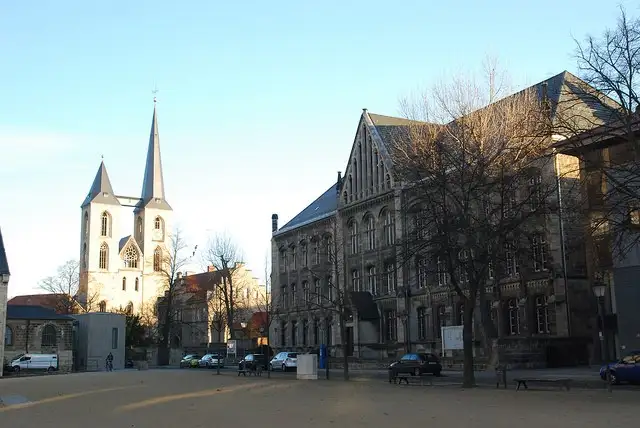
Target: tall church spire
x,y
101,190
153,185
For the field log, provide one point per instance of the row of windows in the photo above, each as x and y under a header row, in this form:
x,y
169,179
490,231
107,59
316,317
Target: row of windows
x,y
375,283
370,239
511,325
106,225
291,259
102,307
304,333
49,336
130,258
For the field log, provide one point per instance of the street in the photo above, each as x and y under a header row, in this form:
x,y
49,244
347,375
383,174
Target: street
x,y
199,398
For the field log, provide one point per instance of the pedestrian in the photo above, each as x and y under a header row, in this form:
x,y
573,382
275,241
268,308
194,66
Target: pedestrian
x,y
110,362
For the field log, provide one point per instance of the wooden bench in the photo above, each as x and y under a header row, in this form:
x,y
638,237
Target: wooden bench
x,y
562,381
398,378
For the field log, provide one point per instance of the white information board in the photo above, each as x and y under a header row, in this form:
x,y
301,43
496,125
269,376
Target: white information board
x,y
452,337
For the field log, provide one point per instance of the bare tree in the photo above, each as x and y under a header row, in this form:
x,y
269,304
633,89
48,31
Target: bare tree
x,y
334,300
610,65
477,178
170,263
225,258
65,285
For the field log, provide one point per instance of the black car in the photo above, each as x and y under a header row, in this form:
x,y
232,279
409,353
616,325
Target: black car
x,y
417,364
251,362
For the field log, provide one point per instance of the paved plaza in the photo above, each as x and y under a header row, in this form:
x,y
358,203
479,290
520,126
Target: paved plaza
x,y
199,398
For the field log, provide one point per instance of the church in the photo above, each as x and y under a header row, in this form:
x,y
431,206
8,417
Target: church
x,y
125,272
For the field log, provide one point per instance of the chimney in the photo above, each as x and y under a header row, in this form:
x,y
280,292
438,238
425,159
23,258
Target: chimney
x,y
274,223
211,269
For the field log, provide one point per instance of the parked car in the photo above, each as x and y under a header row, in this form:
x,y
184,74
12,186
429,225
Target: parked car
x,y
211,361
251,362
625,370
48,362
284,361
187,360
417,364
215,360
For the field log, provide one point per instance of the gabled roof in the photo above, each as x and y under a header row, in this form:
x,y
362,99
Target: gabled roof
x,y
153,184
319,209
4,264
101,190
49,300
124,241
28,312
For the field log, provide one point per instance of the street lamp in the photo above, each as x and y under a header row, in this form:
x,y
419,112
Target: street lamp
x,y
599,290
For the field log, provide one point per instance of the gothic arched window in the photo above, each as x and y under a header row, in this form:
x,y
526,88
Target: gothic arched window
x,y
370,232
105,224
102,306
104,256
137,284
124,284
49,336
139,228
158,229
84,256
8,336
86,224
131,257
157,259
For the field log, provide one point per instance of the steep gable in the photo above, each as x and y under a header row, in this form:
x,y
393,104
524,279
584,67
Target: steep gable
x,y
4,265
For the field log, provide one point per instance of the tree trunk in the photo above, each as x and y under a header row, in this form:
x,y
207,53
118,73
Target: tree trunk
x,y
344,341
469,380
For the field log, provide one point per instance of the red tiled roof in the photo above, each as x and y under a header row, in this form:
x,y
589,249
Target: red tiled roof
x,y
55,301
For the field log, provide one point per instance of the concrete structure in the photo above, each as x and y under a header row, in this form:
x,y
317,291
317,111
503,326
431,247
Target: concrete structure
x,y
39,330
126,272
542,308
307,367
4,286
99,334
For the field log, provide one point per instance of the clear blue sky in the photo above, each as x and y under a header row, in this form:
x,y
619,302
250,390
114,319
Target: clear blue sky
x,y
258,100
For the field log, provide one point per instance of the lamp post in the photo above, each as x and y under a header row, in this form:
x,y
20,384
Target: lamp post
x,y
599,290
404,316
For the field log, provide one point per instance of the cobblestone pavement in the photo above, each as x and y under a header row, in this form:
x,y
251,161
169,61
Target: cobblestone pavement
x,y
195,398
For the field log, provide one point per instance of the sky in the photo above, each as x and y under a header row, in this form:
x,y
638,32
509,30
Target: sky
x,y
258,102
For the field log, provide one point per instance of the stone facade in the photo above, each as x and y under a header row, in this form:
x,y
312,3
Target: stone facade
x,y
119,272
541,313
4,289
39,331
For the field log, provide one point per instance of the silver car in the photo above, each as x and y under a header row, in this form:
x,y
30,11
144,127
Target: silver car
x,y
284,361
211,361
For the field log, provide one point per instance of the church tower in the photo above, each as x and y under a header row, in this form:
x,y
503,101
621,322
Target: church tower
x,y
99,260
153,214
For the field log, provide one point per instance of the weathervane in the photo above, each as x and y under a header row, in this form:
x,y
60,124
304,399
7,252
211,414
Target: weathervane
x,y
154,92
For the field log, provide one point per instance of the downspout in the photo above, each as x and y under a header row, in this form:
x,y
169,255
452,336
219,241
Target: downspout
x,y
562,243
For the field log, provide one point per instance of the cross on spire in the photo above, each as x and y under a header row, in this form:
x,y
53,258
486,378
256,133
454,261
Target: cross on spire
x,y
155,92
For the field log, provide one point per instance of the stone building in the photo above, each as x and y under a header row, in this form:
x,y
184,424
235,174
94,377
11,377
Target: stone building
x,y
4,285
609,169
125,272
39,330
540,310
199,310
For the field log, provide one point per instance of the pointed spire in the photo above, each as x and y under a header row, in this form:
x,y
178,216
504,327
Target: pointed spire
x,y
101,190
153,184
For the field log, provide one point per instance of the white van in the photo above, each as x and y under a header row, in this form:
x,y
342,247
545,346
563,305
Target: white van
x,y
48,362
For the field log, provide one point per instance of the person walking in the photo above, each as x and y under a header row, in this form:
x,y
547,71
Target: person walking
x,y
110,362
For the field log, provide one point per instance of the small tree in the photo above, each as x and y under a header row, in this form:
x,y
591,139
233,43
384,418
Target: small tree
x,y
223,255
65,284
334,300
467,162
169,264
